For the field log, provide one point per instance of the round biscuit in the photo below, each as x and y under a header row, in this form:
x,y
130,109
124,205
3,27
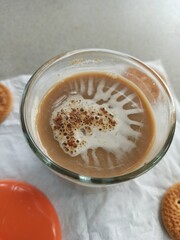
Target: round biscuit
x,y
170,211
5,102
144,82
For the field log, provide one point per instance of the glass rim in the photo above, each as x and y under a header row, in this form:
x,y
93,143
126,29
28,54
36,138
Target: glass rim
x,y
82,179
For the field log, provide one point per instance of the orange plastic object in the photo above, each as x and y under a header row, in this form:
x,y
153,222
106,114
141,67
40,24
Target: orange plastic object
x,y
26,213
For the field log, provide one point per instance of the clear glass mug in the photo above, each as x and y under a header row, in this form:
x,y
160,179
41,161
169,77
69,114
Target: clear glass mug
x,y
101,60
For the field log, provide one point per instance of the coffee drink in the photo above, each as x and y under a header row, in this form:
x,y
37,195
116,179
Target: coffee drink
x,y
96,124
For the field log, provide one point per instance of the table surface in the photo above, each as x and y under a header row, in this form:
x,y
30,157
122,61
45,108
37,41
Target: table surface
x,y
32,33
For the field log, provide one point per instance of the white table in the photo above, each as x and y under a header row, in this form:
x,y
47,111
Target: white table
x,y
32,32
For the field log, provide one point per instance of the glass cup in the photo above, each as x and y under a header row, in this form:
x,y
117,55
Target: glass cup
x,y
112,62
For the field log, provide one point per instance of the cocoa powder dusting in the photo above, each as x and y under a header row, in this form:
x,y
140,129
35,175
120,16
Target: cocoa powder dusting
x,y
67,122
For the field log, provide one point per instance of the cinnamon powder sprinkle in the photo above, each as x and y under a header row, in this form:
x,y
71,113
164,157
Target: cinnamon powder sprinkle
x,y
67,122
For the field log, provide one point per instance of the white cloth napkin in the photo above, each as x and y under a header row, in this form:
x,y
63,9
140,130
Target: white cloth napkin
x,y
129,210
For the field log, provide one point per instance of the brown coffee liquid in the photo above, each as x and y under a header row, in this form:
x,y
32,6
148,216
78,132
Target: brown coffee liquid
x,y
96,124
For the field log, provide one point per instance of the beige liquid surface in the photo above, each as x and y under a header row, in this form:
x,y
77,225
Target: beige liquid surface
x,y
96,124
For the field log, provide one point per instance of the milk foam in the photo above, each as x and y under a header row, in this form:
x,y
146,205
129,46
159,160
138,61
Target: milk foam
x,y
118,140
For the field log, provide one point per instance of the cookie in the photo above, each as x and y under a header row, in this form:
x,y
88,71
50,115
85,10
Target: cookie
x,y
144,82
170,211
162,76
5,102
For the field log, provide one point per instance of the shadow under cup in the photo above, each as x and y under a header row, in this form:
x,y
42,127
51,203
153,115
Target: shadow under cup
x,y
111,62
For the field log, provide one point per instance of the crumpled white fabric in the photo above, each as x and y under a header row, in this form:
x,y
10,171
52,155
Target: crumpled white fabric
x,y
129,210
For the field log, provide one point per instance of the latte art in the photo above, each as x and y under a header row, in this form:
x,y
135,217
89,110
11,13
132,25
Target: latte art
x,y
81,124
96,124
